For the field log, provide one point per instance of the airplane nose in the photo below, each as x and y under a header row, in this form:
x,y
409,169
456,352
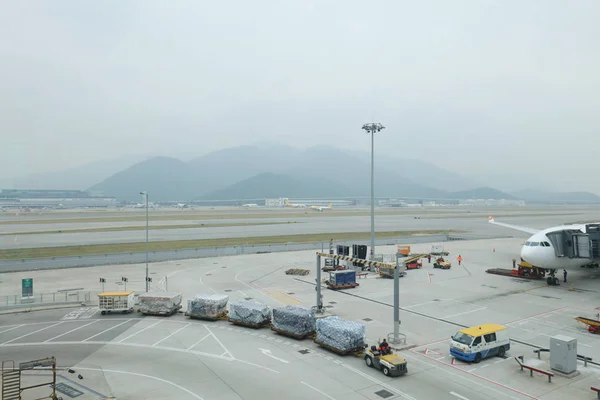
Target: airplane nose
x,y
526,254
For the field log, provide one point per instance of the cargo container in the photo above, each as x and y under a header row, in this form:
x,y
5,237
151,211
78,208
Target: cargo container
x,y
342,279
116,302
159,303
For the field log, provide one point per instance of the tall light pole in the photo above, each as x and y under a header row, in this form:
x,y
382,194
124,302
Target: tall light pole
x,y
372,128
145,194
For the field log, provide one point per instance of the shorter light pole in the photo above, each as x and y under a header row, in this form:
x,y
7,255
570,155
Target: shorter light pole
x,y
145,194
102,281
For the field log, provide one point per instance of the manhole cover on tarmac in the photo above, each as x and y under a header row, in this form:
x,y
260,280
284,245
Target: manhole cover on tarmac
x,y
224,267
291,293
248,298
367,319
304,351
333,302
384,393
436,299
208,274
228,290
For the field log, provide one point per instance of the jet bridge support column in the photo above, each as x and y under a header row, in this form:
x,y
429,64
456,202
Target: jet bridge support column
x,y
396,336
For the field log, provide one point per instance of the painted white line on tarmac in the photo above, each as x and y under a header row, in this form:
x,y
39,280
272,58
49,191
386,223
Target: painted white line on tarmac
x,y
31,333
140,331
10,329
466,312
458,395
145,346
317,390
218,341
72,330
143,376
165,338
194,345
106,330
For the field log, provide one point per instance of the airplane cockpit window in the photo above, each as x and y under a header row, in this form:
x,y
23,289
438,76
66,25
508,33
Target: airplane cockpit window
x,y
535,243
527,243
547,244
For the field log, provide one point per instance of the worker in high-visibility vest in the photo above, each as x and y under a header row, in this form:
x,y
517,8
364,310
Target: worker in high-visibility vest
x,y
459,259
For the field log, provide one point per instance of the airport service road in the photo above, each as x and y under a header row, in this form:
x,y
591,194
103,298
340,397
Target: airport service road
x,y
311,225
181,358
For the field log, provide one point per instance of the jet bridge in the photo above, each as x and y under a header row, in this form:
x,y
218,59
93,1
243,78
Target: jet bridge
x,y
573,243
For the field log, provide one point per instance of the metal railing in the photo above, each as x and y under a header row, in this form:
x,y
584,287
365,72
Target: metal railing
x,y
39,299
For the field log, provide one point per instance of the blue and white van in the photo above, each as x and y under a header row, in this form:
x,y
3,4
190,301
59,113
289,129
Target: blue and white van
x,y
479,342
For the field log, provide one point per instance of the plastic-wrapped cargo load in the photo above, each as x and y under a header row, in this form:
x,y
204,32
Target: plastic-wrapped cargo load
x,y
209,305
340,334
159,302
249,312
298,321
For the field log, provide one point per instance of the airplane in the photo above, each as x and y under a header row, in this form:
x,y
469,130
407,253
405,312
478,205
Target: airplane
x,y
560,247
249,205
321,208
287,203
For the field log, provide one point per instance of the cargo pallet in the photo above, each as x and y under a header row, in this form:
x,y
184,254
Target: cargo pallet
x,y
516,273
293,335
161,313
297,271
251,325
222,316
357,352
342,286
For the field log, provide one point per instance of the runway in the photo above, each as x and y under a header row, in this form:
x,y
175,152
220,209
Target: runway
x,y
463,220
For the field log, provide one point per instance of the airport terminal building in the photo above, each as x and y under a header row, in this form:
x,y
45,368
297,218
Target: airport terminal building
x,y
280,202
17,198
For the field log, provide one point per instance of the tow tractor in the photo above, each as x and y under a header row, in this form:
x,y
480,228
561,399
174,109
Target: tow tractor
x,y
386,361
441,263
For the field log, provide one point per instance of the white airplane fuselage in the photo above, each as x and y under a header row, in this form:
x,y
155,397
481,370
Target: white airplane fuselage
x,y
539,251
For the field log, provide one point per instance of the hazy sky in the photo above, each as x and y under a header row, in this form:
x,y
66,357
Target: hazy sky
x,y
478,86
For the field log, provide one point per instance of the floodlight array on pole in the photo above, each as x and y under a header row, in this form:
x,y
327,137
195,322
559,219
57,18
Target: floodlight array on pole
x,y
145,194
372,128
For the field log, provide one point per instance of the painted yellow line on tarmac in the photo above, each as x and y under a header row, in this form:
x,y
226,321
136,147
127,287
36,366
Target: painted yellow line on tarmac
x,y
283,297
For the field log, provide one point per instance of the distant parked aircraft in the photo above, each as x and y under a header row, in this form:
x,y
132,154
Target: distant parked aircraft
x,y
321,208
287,203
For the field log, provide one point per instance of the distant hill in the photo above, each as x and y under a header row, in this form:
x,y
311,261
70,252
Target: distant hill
x,y
422,172
164,178
277,185
557,197
275,170
482,193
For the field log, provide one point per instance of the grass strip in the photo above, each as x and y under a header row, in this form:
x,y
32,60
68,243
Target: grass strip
x,y
143,228
84,250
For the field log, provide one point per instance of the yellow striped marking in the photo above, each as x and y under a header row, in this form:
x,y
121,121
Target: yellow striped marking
x,y
283,297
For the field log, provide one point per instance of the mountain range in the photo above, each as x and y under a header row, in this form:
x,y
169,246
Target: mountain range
x,y
255,172
273,170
